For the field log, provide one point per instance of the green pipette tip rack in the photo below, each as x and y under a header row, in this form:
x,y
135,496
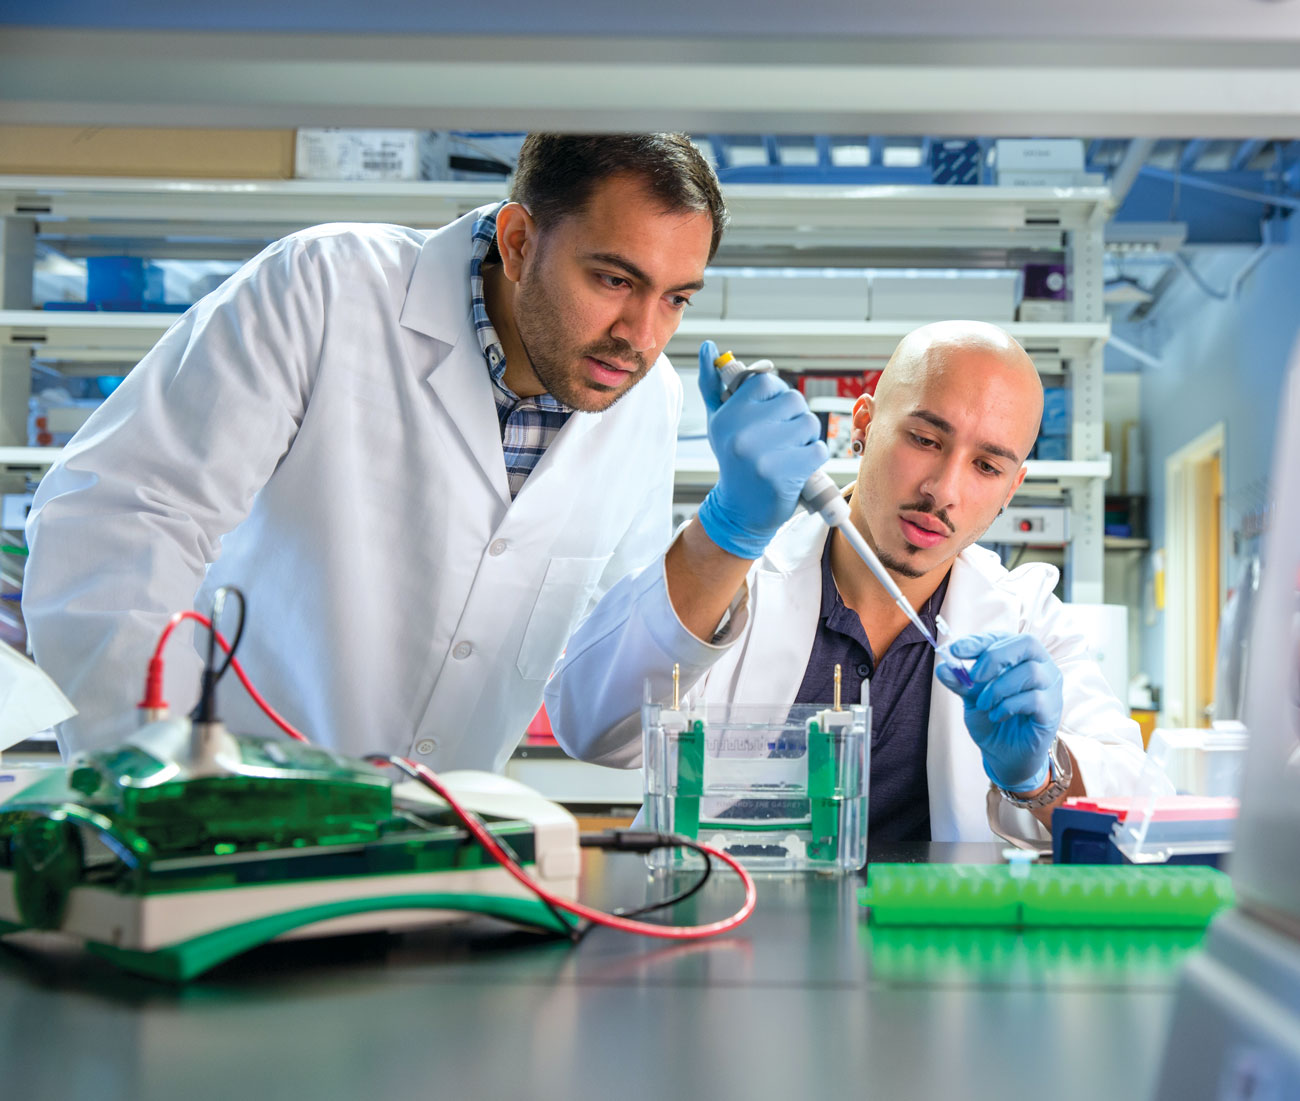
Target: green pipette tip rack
x,y
1118,896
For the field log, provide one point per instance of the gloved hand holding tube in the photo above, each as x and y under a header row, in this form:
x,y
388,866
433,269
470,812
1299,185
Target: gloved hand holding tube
x,y
1013,708
767,444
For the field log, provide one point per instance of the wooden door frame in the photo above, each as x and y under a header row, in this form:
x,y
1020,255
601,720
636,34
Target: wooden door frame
x,y
1183,562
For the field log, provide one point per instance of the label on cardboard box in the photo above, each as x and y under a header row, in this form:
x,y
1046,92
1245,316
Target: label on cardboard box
x,y
339,154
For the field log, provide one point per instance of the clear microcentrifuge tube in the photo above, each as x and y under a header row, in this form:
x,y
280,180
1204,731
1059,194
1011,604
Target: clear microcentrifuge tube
x,y
944,653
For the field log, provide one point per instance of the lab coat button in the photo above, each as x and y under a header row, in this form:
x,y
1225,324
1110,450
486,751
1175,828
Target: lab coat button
x,y
498,547
425,746
462,650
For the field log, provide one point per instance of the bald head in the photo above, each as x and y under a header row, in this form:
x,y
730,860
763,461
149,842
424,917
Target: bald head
x,y
948,348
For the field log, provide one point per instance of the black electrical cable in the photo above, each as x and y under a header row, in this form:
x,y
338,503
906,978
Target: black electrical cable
x,y
612,841
205,711
217,609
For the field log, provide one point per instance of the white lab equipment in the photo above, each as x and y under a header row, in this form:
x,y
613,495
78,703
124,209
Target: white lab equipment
x,y
1236,1024
30,702
782,789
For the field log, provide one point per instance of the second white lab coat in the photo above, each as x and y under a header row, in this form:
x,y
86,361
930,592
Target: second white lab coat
x,y
634,635
321,432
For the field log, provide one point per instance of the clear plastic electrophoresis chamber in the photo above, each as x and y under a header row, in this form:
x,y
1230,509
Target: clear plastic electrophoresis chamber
x,y
780,789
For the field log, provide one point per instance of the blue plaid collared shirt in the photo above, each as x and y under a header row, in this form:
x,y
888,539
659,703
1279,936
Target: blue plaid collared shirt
x,y
528,425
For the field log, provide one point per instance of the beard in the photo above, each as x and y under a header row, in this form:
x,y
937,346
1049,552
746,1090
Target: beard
x,y
899,566
544,331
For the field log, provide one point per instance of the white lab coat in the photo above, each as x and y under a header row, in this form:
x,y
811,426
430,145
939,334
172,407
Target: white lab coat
x,y
321,432
633,635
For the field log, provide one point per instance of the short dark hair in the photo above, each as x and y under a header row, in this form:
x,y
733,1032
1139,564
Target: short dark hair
x,y
556,173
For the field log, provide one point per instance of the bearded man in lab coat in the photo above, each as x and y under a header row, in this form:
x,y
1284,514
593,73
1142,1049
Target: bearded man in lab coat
x,y
409,449
755,612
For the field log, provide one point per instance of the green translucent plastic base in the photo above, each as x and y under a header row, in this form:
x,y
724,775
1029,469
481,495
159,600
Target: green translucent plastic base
x,y
187,959
1045,895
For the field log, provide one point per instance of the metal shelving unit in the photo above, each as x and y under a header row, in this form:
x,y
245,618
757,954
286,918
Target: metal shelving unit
x,y
771,225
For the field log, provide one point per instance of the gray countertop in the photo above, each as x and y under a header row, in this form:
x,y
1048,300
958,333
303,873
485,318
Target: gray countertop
x,y
804,1000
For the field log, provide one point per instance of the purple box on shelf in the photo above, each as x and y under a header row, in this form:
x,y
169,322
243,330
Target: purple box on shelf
x,y
1045,281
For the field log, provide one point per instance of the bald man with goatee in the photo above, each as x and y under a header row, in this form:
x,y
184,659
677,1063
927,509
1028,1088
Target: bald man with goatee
x,y
757,607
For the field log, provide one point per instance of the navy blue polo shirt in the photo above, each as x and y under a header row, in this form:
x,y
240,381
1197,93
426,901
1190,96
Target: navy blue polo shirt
x,y
899,807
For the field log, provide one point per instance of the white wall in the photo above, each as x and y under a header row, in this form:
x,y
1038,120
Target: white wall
x,y
1223,361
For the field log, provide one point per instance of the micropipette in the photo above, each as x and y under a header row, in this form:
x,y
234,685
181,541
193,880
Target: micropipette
x,y
822,496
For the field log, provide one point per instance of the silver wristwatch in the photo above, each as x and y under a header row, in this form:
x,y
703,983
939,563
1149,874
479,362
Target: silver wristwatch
x,y
1060,773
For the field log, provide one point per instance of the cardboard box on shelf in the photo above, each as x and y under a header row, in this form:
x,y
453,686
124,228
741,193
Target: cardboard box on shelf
x,y
146,151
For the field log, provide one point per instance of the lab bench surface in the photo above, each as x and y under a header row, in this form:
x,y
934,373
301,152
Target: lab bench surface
x,y
805,1000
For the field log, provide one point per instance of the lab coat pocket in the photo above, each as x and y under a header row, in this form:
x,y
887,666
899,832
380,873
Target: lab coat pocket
x,y
561,601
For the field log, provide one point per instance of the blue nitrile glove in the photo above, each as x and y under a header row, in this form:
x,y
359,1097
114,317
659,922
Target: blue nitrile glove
x,y
767,443
1014,709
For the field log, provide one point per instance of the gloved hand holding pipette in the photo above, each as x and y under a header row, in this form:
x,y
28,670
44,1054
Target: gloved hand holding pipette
x,y
777,443
1013,708
767,444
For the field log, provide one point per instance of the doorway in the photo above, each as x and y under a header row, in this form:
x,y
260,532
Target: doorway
x,y
1194,585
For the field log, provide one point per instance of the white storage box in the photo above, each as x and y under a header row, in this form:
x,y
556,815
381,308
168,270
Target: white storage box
x,y
707,303
336,154
1050,310
1038,155
797,295
943,295
1021,178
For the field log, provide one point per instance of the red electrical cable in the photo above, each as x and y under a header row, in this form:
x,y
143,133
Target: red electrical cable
x,y
153,682
645,928
153,699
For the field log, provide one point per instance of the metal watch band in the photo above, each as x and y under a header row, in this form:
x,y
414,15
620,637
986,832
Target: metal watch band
x,y
1061,769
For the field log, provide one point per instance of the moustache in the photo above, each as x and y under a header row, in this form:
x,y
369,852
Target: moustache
x,y
619,353
939,514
